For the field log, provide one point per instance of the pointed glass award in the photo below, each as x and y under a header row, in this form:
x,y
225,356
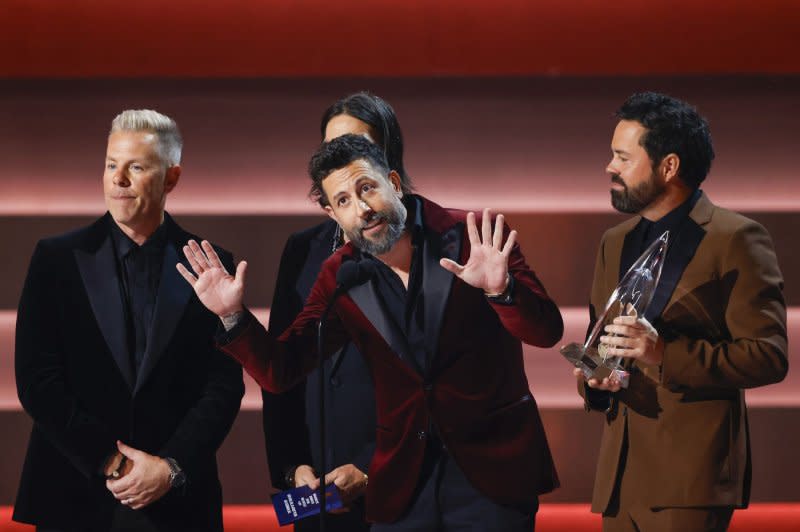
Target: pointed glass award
x,y
631,298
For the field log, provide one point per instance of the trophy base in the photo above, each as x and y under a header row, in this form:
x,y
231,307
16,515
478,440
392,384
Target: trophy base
x,y
592,365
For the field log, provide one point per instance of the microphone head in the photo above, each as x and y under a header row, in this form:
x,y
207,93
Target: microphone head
x,y
347,274
366,270
355,272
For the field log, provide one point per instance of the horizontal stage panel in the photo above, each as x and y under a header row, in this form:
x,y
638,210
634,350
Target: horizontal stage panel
x,y
514,144
252,38
549,375
560,247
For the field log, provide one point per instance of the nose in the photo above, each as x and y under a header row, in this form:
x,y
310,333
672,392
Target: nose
x,y
120,178
610,167
363,207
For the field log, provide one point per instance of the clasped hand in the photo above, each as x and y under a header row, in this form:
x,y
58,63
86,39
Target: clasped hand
x,y
144,478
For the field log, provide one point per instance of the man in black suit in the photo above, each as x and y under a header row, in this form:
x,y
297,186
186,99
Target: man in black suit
x,y
292,434
291,419
115,361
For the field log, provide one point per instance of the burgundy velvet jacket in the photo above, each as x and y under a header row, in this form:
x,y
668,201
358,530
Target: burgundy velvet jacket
x,y
474,389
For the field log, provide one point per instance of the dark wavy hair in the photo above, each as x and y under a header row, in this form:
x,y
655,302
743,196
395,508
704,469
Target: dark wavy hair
x,y
378,115
337,154
673,126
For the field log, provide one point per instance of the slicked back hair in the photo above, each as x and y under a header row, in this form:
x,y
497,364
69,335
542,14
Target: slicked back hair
x,y
170,142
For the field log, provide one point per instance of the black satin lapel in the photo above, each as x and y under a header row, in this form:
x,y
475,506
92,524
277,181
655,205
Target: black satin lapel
x,y
365,296
100,278
437,282
680,253
173,295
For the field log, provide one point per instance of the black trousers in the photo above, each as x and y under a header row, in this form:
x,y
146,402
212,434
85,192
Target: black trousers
x,y
446,501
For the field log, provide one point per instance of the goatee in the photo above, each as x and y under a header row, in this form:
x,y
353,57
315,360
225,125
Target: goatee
x,y
395,220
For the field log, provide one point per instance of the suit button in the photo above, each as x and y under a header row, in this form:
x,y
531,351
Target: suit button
x,y
421,435
335,382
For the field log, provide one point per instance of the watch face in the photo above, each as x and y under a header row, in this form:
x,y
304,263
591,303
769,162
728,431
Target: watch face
x,y
178,480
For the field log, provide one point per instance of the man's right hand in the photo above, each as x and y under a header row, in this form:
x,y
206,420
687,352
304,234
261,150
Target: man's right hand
x,y
117,466
218,290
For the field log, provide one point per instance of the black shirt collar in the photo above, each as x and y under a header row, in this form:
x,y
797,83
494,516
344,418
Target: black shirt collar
x,y
125,245
671,220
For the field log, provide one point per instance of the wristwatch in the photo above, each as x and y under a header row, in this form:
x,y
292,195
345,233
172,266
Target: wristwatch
x,y
506,297
177,478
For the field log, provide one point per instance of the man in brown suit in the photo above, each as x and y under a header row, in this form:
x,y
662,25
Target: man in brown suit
x,y
675,453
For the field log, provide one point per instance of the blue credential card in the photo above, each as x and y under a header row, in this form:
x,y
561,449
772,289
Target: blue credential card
x,y
297,503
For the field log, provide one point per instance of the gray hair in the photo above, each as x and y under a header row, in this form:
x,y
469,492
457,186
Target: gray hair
x,y
170,142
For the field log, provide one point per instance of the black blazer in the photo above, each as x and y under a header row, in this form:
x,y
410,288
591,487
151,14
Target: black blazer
x,y
74,379
291,419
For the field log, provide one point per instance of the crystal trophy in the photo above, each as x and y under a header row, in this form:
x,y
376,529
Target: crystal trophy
x,y
630,298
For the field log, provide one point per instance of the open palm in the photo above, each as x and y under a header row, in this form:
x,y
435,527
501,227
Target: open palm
x,y
487,266
219,291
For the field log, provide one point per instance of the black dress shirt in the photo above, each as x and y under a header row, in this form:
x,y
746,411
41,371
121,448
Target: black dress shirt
x,y
139,270
405,306
646,231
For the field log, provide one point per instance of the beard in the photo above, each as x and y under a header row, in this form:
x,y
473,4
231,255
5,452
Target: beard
x,y
633,200
395,218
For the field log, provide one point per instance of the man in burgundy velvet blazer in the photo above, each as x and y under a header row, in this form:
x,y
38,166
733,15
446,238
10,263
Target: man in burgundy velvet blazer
x,y
468,391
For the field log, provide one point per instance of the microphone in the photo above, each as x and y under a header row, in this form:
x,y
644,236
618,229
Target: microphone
x,y
351,274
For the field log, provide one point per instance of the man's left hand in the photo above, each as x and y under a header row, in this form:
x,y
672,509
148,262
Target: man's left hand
x,y
487,267
351,481
633,338
147,481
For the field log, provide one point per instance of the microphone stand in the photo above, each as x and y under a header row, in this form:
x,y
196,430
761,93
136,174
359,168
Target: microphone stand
x,y
321,405
323,510
349,275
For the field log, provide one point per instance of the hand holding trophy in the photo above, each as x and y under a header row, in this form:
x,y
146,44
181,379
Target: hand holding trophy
x,y
630,298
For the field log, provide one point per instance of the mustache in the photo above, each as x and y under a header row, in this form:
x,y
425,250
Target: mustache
x,y
371,218
615,178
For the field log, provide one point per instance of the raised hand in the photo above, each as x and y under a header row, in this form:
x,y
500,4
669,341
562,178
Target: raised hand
x,y
218,290
487,267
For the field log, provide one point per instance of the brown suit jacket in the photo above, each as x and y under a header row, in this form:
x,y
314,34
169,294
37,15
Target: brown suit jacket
x,y
723,320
